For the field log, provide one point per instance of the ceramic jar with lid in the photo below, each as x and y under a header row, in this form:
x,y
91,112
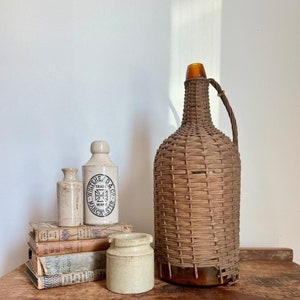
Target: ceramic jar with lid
x,y
130,263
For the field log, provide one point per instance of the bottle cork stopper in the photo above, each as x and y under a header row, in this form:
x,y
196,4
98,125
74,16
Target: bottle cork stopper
x,y
195,70
99,147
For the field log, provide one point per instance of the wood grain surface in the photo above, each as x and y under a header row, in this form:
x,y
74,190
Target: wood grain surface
x,y
275,277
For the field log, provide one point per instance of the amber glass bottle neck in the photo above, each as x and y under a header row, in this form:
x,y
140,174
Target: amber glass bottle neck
x,y
195,70
196,100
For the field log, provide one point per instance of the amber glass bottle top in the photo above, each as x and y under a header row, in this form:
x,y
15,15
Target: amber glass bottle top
x,y
195,70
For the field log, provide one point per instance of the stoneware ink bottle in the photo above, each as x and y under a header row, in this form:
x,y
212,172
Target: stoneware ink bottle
x,y
70,199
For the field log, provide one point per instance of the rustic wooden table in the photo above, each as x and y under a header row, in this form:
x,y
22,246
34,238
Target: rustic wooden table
x,y
264,274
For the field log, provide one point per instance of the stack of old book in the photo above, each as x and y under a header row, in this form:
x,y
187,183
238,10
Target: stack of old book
x,y
60,256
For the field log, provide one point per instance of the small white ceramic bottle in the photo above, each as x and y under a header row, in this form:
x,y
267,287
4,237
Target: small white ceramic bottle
x,y
70,199
130,263
100,180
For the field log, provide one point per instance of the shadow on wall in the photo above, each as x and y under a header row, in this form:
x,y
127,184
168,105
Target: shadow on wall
x,y
18,248
136,200
148,127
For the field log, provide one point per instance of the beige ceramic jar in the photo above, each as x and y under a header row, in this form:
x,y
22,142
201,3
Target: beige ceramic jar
x,y
130,263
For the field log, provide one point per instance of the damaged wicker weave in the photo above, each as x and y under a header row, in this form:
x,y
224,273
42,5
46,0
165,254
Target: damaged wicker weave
x,y
197,195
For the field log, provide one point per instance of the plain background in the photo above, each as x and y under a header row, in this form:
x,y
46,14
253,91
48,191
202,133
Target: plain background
x,y
72,72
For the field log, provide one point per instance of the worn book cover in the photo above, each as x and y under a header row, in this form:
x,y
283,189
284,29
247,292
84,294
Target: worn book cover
x,y
67,247
68,263
50,231
57,280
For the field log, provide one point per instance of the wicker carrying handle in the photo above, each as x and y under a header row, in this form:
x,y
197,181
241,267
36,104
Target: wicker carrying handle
x,y
225,101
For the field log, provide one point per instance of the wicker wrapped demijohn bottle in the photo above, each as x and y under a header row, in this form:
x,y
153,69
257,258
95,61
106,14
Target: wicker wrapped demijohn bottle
x,y
197,193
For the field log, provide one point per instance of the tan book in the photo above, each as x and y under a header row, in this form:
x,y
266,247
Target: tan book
x,y
50,231
68,263
51,281
66,247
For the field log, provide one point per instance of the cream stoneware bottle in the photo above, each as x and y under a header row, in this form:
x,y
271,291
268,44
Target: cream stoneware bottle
x,y
70,199
100,180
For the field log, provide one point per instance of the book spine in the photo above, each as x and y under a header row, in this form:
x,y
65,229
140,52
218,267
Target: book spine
x,y
79,233
68,247
73,278
36,264
57,280
69,263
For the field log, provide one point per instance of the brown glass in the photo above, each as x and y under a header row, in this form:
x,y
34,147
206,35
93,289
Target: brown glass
x,y
195,70
186,276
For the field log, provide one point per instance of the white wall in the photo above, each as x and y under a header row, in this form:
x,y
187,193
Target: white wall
x,y
260,71
73,72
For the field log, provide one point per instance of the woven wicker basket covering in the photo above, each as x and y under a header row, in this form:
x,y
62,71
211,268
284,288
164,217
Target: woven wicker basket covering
x,y
197,191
